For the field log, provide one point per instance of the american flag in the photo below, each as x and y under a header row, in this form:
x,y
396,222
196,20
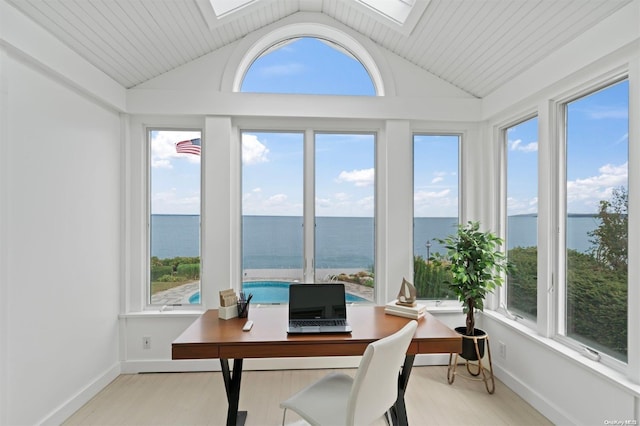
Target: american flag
x,y
189,147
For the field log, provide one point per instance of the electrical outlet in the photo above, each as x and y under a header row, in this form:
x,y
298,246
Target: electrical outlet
x,y
503,350
146,342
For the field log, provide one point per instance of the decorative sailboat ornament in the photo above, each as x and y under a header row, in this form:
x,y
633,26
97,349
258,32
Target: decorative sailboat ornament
x,y
407,294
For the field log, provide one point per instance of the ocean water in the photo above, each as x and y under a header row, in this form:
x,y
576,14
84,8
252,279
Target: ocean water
x,y
275,242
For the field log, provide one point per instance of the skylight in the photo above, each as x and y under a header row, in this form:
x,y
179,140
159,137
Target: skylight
x,y
399,15
396,10
224,7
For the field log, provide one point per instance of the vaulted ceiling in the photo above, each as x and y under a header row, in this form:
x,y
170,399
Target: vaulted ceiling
x,y
476,45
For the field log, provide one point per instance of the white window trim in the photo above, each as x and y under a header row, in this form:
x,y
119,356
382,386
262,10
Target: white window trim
x,y
250,52
500,135
560,106
309,133
147,299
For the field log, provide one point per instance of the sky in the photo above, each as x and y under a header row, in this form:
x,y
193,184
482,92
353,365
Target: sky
x,y
272,163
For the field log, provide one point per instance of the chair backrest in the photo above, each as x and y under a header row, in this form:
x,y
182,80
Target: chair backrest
x,y
375,386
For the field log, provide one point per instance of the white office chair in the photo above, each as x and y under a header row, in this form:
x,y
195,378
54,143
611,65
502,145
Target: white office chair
x,y
338,399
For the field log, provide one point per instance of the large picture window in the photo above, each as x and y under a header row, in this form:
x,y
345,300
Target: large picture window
x,y
344,209
333,199
272,210
597,129
174,222
435,208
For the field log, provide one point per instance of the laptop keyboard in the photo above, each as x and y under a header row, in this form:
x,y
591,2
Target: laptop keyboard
x,y
313,323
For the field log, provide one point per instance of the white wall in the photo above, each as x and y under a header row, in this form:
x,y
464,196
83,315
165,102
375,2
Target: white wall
x,y
61,237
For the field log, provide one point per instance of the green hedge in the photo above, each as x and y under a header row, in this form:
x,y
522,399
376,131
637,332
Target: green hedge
x,y
159,271
175,269
430,280
189,270
523,281
596,298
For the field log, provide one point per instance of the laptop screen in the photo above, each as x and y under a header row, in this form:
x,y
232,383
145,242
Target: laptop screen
x,y
317,301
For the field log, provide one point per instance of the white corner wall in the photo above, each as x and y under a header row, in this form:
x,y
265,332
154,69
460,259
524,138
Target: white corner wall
x,y
62,233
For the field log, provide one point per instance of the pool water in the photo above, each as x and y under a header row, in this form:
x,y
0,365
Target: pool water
x,y
271,292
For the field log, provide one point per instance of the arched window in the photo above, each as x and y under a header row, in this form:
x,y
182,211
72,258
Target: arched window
x,y
308,65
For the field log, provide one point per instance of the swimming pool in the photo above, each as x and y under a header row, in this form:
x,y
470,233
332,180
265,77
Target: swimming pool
x,y
271,292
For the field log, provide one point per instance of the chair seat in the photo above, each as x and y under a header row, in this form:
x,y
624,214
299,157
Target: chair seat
x,y
338,399
324,402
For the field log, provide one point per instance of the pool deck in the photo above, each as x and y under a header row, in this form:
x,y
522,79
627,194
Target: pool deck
x,y
181,294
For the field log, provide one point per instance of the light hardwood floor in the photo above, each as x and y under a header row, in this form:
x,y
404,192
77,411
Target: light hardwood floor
x,y
199,399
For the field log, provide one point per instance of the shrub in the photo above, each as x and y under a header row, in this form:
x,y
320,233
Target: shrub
x,y
170,279
189,270
523,280
430,280
159,271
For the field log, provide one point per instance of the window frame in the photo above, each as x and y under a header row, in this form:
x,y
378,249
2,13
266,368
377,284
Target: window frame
x,y
503,141
146,302
309,128
446,304
560,212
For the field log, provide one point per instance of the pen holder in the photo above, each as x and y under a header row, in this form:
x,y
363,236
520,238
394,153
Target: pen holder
x,y
243,309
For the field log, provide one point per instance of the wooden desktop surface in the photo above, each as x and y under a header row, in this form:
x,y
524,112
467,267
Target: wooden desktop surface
x,y
212,337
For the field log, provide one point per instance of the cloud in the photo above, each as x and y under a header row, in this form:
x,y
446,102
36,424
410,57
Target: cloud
x,y
437,179
276,200
623,138
292,68
602,113
253,151
427,203
522,206
517,146
323,202
363,177
163,148
366,203
172,202
421,196
584,195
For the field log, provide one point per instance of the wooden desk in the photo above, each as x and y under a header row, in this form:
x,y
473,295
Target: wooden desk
x,y
211,337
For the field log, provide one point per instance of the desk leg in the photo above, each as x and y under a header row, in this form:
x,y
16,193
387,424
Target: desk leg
x,y
232,386
399,410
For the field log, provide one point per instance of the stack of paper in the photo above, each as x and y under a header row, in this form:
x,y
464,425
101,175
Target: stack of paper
x,y
413,312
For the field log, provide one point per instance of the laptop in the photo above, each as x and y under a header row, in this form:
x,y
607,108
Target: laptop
x,y
317,308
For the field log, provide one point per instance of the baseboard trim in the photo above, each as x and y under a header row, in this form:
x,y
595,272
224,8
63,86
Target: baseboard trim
x,y
64,411
548,409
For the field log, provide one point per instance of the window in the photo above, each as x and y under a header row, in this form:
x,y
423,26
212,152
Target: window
x,y
308,65
313,225
435,208
174,222
596,134
272,206
522,217
344,209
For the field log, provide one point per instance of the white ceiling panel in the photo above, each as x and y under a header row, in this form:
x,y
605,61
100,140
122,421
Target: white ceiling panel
x,y
476,45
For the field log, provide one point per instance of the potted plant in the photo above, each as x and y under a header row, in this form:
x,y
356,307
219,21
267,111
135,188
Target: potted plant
x,y
477,265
